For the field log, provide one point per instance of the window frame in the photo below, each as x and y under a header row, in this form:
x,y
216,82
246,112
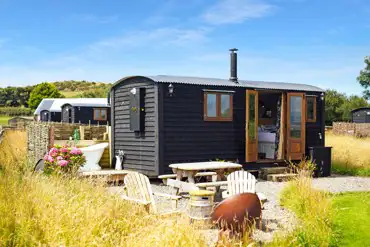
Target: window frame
x,y
311,120
219,117
99,117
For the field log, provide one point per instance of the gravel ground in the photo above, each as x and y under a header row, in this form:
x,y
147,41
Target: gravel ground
x,y
275,218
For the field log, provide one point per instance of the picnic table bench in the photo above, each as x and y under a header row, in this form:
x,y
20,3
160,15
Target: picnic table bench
x,y
210,176
109,174
190,171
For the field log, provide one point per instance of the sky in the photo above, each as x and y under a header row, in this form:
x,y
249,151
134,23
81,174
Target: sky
x,y
316,42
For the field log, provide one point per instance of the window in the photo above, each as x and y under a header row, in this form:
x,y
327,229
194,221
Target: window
x,y
218,106
295,116
311,109
100,114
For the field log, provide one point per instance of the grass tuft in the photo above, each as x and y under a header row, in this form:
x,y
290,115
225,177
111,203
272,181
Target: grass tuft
x,y
313,209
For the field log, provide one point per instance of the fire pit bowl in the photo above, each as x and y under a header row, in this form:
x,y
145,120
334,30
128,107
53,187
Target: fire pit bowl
x,y
237,214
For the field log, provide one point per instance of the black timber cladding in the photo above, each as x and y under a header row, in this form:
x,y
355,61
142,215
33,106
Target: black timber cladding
x,y
82,114
46,116
361,115
315,131
186,137
140,148
68,113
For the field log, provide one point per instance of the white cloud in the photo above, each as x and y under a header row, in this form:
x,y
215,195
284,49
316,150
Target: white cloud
x,y
236,11
159,37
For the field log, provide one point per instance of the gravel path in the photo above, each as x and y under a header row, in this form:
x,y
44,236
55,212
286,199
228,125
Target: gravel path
x,y
275,218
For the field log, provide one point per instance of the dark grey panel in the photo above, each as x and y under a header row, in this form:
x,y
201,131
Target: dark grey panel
x,y
139,147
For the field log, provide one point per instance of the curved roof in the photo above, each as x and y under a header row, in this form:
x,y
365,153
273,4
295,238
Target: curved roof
x,y
361,108
55,105
228,83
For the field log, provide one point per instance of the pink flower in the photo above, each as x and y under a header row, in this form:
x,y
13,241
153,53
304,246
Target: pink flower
x,y
76,151
59,158
46,157
62,162
50,159
64,150
53,151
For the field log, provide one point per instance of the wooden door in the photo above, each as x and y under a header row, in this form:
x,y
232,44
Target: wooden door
x,y
296,123
251,125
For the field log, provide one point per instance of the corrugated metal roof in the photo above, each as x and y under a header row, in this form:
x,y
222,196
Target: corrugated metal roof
x,y
54,105
228,83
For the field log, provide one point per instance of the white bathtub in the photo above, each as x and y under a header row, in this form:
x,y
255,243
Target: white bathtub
x,y
93,155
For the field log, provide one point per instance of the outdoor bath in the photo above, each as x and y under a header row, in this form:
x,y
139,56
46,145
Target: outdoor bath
x,y
93,155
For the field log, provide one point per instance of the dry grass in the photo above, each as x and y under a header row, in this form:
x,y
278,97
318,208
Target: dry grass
x,y
62,211
350,155
313,209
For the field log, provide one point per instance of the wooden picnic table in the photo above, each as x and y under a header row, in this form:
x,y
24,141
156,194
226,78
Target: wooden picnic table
x,y
190,169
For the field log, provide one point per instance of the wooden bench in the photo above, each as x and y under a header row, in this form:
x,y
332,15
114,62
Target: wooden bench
x,y
210,175
214,185
109,174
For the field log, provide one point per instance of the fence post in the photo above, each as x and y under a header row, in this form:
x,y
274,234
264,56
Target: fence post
x,y
82,132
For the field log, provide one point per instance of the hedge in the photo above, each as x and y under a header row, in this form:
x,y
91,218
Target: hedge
x,y
16,111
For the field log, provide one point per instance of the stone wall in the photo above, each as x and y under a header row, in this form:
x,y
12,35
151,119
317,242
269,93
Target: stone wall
x,y
38,140
41,136
353,129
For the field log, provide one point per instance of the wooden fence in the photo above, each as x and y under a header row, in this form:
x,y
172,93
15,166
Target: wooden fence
x,y
41,136
353,129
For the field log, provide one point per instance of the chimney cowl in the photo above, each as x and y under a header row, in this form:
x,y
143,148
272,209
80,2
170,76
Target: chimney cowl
x,y
233,65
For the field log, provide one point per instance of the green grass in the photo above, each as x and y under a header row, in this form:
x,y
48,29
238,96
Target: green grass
x,y
351,221
325,219
343,169
4,120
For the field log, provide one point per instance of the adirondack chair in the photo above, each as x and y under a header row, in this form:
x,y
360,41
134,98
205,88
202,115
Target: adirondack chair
x,y
239,182
138,189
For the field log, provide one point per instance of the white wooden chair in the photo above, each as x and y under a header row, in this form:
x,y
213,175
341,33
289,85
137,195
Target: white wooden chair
x,y
241,182
138,189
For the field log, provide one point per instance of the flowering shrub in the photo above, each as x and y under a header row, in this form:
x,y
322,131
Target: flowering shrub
x,y
63,159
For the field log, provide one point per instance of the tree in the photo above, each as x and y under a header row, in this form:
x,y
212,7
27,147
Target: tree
x,y
352,102
333,102
43,91
364,78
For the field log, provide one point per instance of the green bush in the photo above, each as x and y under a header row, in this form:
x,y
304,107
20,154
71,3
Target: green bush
x,y
16,111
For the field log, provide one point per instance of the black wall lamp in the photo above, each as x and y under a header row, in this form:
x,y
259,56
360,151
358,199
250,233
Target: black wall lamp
x,y
170,89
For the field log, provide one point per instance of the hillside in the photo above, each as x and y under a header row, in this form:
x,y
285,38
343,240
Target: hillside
x,y
83,89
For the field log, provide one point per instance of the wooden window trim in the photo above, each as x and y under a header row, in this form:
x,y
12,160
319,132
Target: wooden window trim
x,y
218,117
312,120
99,117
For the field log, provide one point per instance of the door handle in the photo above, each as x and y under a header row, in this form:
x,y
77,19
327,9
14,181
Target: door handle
x,y
320,135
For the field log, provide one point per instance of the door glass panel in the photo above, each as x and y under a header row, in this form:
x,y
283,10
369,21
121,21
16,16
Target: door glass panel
x,y
211,105
295,116
225,105
252,117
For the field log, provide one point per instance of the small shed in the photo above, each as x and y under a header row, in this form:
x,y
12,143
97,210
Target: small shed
x,y
86,111
159,120
361,115
19,122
